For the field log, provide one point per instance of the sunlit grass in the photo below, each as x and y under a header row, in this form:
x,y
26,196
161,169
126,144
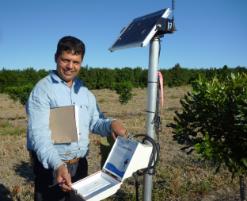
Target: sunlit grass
x,y
6,128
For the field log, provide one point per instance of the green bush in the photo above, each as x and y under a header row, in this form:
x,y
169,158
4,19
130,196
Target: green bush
x,y
124,90
20,93
213,121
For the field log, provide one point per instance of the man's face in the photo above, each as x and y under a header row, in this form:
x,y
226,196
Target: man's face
x,y
68,66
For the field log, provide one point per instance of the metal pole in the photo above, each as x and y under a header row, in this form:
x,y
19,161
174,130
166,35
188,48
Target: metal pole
x,y
151,105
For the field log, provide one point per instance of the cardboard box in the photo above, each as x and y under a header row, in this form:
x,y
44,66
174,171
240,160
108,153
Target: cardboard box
x,y
126,157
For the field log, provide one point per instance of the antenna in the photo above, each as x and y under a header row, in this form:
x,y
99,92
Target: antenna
x,y
173,8
167,25
170,23
173,21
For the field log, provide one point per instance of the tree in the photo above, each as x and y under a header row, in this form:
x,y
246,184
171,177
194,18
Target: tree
x,y
213,121
124,90
178,76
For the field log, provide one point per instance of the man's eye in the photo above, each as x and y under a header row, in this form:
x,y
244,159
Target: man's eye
x,y
65,60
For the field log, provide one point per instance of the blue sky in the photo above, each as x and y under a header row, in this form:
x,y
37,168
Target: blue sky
x,y
211,33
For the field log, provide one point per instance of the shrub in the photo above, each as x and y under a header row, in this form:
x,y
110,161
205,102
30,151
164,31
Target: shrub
x,y
214,121
124,90
20,93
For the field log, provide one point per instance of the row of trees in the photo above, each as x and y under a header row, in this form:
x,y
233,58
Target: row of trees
x,y
18,83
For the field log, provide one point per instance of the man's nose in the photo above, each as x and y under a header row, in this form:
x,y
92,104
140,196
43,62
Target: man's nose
x,y
70,65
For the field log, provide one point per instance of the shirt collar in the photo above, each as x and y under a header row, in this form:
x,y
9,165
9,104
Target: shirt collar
x,y
56,79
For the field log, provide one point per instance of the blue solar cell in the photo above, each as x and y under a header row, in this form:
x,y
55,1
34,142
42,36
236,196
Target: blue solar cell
x,y
139,30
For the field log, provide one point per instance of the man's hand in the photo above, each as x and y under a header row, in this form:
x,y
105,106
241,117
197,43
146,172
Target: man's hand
x,y
118,129
63,178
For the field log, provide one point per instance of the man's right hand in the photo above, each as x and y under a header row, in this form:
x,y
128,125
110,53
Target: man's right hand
x,y
63,178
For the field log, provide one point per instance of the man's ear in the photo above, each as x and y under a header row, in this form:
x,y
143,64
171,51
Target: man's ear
x,y
55,57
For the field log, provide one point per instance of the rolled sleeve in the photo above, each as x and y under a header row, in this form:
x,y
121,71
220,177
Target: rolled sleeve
x,y
99,124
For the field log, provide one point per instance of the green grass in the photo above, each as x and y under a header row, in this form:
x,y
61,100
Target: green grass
x,y
6,128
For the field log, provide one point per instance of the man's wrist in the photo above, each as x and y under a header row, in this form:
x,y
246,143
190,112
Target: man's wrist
x,y
60,165
60,169
111,129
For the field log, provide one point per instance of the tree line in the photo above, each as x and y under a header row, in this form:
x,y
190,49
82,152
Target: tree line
x,y
18,83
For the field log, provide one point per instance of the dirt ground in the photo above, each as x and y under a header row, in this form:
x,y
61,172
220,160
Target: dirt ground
x,y
178,177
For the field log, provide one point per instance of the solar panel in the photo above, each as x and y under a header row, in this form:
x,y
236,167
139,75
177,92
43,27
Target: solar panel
x,y
140,31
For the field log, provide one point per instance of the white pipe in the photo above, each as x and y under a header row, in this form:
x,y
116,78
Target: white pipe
x,y
151,105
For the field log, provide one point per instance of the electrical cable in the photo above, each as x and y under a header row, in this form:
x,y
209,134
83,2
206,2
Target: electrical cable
x,y
154,158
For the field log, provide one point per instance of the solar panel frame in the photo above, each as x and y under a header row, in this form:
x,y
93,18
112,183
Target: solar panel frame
x,y
140,31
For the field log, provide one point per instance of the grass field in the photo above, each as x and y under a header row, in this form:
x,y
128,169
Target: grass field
x,y
179,177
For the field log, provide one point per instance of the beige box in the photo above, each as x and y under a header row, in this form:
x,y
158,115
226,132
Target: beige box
x,y
126,157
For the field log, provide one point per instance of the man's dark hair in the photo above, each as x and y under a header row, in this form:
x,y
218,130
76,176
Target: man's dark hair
x,y
70,44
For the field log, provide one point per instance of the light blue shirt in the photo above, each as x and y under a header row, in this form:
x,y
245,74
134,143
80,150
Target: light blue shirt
x,y
52,92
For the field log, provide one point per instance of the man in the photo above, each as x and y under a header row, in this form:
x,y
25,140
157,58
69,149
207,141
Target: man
x,y
56,166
